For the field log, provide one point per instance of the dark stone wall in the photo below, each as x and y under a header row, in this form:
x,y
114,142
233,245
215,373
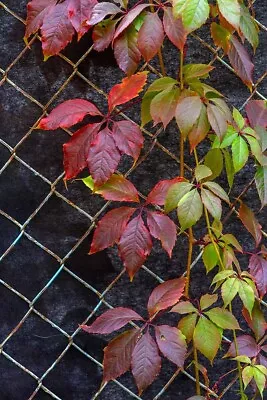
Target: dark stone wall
x,y
56,226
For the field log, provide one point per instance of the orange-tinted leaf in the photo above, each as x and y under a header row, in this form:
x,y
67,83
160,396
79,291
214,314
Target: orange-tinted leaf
x,y
101,10
112,320
240,61
127,90
76,151
110,228
163,106
146,362
162,228
174,28
217,120
187,112
220,36
257,113
246,346
200,129
135,245
258,269
126,51
128,138
129,18
103,34
158,194
250,222
171,343
165,295
103,157
150,36
57,30
36,12
80,12
68,113
118,188
118,355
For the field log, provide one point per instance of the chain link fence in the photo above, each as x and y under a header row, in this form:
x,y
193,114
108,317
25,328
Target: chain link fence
x,y
22,228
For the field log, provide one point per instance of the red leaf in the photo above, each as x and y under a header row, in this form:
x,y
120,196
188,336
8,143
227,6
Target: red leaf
x,y
110,228
256,321
165,295
262,360
118,355
112,320
257,113
258,269
80,12
250,222
129,18
135,245
174,29
127,90
103,157
103,34
146,362
101,10
77,149
158,194
162,228
128,138
240,61
36,11
118,188
126,51
57,30
172,344
246,346
68,113
163,106
151,36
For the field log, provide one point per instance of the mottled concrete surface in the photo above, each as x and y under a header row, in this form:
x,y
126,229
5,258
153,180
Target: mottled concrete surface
x,y
58,226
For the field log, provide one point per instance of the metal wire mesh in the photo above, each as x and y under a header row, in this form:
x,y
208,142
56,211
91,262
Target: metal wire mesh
x,y
52,185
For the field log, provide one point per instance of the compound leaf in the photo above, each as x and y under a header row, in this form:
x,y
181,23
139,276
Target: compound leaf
x,y
128,138
163,228
171,343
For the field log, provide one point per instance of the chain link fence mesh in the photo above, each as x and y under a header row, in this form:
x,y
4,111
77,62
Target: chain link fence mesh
x,y
24,233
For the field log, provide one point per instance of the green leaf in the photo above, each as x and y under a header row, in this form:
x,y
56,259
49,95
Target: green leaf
x,y
228,138
145,107
192,71
246,294
212,203
202,172
163,105
228,238
238,118
190,209
255,148
210,257
194,13
221,276
218,190
222,318
207,300
230,9
207,338
247,374
175,194
187,113
259,373
187,325
200,129
243,359
240,153
261,184
161,84
184,307
230,289
229,166
89,182
214,160
249,27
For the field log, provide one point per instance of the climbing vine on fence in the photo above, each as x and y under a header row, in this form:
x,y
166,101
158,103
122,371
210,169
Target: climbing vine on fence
x,y
203,118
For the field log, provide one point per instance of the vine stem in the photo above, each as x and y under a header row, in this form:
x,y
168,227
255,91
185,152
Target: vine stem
x,y
238,362
198,391
189,261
